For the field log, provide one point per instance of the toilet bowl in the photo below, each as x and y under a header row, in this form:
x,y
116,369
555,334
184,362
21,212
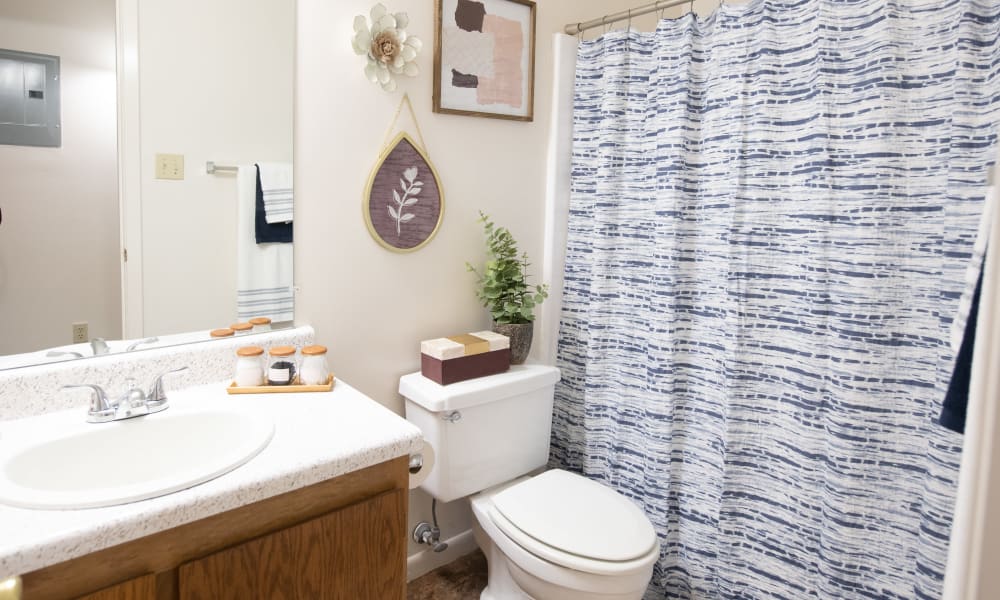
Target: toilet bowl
x,y
553,536
560,536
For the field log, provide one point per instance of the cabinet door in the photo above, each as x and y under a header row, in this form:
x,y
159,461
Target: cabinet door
x,y
140,588
355,553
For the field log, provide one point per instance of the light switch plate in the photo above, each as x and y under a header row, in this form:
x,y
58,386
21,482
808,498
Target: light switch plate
x,y
170,166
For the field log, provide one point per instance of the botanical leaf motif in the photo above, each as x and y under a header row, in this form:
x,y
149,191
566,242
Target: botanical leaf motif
x,y
410,191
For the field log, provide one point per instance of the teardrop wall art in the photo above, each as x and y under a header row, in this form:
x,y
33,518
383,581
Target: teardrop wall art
x,y
403,203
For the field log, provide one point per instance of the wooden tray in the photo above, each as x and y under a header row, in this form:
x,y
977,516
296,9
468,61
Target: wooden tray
x,y
282,389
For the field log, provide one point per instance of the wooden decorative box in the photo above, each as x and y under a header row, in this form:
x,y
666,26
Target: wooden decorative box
x,y
460,357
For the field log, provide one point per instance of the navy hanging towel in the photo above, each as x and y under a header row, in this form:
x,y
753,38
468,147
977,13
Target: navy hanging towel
x,y
267,233
956,401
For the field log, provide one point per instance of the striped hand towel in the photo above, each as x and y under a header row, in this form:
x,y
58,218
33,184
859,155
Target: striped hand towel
x,y
276,184
264,271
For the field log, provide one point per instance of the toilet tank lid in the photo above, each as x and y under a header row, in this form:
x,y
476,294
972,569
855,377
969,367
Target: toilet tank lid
x,y
520,379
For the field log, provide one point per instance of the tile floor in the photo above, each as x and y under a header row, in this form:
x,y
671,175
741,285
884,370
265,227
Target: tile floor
x,y
462,579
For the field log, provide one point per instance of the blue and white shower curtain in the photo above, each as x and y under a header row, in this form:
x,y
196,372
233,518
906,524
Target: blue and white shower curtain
x,y
771,214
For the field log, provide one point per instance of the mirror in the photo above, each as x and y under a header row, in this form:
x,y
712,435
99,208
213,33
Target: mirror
x,y
121,233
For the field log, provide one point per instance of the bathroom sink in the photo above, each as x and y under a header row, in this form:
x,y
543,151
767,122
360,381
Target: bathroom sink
x,y
126,461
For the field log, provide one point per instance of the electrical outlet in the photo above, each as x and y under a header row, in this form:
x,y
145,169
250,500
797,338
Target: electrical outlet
x,y
170,166
80,332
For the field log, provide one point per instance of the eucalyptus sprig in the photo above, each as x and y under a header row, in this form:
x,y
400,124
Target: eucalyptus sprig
x,y
502,284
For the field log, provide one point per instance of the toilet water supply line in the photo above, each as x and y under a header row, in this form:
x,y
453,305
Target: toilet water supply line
x,y
425,533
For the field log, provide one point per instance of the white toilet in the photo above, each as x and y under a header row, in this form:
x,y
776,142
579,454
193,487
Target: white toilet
x,y
553,536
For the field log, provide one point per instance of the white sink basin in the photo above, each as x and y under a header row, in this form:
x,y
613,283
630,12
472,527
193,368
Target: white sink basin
x,y
114,463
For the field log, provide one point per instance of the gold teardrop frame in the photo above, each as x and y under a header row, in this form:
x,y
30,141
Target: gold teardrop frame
x,y
366,199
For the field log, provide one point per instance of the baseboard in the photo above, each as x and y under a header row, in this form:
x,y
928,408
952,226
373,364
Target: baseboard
x,y
427,560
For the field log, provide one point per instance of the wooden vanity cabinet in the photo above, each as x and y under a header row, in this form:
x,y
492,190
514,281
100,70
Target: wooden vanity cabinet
x,y
140,588
342,539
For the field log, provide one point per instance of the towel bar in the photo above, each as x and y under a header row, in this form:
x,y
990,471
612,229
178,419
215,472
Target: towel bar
x,y
211,168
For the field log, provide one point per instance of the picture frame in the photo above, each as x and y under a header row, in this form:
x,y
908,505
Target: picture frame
x,y
403,201
484,58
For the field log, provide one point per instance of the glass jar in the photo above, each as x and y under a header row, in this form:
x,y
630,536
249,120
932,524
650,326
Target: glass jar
x,y
314,370
221,333
260,324
249,366
282,369
241,328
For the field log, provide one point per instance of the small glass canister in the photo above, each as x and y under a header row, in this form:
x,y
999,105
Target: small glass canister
x,y
221,333
249,366
314,369
282,370
242,328
260,324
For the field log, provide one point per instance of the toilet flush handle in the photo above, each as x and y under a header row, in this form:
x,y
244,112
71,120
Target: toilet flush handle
x,y
452,417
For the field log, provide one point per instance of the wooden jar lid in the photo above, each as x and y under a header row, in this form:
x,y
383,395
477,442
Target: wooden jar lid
x,y
218,333
260,321
282,351
250,351
313,350
241,326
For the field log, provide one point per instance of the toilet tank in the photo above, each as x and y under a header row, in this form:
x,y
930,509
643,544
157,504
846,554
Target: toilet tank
x,y
484,431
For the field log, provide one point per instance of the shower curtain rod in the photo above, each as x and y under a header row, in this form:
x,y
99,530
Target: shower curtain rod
x,y
575,28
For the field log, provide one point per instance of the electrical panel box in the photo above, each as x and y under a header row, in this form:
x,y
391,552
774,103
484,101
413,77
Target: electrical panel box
x,y
29,99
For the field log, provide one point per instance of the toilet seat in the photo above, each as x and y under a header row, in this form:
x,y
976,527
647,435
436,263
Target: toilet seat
x,y
576,523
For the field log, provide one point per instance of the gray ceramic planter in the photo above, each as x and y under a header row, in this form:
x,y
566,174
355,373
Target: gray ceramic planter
x,y
520,335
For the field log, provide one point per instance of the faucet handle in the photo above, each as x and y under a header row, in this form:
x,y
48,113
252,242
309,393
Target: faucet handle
x,y
99,346
136,344
100,409
157,395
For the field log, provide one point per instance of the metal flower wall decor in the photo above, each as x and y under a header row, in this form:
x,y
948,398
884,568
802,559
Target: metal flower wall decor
x,y
390,51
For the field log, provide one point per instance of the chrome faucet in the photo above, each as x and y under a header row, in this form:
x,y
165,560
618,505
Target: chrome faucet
x,y
97,345
134,345
133,403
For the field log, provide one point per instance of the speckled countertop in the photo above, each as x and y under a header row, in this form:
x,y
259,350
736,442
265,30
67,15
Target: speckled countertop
x,y
317,436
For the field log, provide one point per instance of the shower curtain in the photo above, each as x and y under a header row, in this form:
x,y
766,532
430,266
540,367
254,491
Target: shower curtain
x,y
771,213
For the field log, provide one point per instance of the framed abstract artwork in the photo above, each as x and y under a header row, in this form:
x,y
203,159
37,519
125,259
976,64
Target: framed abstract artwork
x,y
484,58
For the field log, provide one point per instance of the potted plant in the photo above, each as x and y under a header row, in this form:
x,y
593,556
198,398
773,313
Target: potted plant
x,y
504,290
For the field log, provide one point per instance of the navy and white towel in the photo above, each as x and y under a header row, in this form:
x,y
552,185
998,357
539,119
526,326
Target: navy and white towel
x,y
264,271
276,184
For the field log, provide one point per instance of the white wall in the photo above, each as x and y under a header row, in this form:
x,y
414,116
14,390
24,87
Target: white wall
x,y
216,83
59,237
370,306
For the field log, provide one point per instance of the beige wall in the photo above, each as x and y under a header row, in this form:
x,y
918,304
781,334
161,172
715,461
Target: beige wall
x,y
216,83
370,306
59,237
